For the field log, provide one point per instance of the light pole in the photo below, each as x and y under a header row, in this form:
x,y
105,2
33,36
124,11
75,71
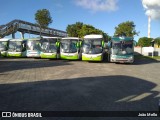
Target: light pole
x,y
152,42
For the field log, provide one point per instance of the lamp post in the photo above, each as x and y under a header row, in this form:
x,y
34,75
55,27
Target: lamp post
x,y
152,42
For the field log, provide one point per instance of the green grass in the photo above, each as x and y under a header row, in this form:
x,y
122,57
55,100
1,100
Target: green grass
x,y
147,57
154,57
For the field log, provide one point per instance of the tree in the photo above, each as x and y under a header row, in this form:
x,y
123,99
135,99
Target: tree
x,y
74,30
43,18
157,41
126,28
80,30
145,42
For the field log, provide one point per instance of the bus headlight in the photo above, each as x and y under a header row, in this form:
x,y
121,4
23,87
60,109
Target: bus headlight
x,y
131,58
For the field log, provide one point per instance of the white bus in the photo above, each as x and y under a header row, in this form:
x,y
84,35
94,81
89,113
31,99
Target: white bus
x,y
16,48
3,46
50,47
70,48
93,48
121,50
33,47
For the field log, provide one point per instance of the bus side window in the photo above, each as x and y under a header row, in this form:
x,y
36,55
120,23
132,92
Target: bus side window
x,y
25,45
109,44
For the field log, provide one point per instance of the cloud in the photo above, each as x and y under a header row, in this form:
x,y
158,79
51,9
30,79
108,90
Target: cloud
x,y
98,5
152,8
154,13
59,5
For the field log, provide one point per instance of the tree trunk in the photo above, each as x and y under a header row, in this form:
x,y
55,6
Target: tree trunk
x,y
40,31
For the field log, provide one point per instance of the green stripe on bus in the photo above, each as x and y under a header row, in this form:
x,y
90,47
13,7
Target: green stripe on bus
x,y
89,58
75,57
43,55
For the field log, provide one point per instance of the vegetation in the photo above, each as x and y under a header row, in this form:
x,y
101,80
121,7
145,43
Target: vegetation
x,y
145,42
141,57
43,18
126,28
80,29
157,41
154,57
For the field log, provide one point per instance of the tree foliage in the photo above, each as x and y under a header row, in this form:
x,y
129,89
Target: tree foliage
x,y
157,41
80,29
145,42
127,28
43,18
74,29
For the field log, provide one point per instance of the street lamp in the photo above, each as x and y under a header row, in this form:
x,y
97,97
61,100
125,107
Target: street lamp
x,y
152,43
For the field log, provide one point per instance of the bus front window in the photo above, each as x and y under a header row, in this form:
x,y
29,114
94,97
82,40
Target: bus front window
x,y
116,48
73,47
15,46
49,46
92,46
122,48
33,45
128,47
68,46
3,46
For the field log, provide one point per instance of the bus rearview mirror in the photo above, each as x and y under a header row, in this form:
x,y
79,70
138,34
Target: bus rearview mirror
x,y
80,43
77,45
57,44
102,43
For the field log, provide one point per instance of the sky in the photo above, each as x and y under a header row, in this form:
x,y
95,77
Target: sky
x,y
102,14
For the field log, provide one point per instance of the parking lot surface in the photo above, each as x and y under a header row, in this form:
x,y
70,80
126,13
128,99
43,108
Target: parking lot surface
x,y
61,85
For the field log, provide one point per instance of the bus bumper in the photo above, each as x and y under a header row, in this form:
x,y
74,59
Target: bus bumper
x,y
122,60
69,56
14,54
92,57
3,53
48,55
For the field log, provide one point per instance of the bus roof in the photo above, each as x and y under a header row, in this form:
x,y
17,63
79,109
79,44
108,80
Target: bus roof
x,y
68,38
16,40
51,37
122,38
5,39
93,36
31,39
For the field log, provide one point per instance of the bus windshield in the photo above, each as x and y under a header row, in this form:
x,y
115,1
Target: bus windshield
x,y
92,46
49,45
121,48
69,46
33,45
15,46
3,45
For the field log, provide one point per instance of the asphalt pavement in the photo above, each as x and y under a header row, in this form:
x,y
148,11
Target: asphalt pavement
x,y
62,85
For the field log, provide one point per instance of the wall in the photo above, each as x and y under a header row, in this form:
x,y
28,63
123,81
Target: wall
x,y
139,50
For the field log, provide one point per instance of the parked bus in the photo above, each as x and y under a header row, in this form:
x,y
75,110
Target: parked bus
x,y
16,48
33,47
50,47
70,48
3,46
93,48
121,50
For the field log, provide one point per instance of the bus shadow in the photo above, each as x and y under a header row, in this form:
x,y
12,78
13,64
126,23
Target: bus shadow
x,y
10,64
140,59
105,93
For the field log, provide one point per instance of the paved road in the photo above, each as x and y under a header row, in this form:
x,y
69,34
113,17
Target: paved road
x,y
59,85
